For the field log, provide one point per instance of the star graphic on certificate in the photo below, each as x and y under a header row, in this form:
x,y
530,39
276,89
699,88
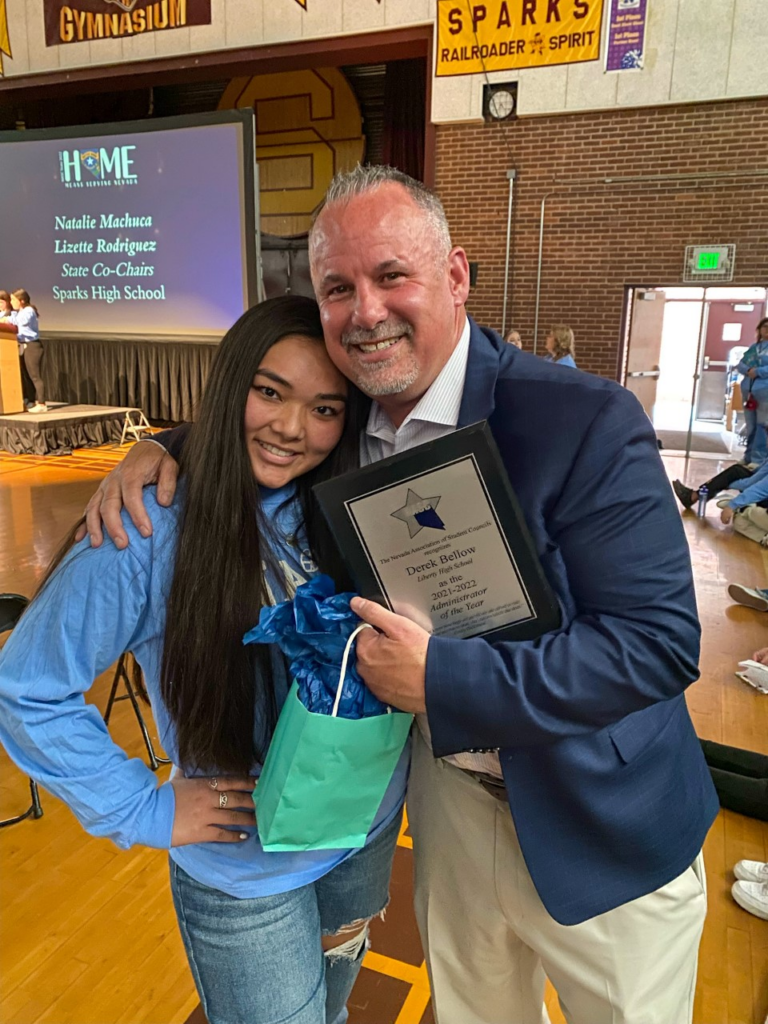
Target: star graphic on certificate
x,y
418,512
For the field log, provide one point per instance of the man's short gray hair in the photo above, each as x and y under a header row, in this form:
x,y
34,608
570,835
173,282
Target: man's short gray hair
x,y
347,184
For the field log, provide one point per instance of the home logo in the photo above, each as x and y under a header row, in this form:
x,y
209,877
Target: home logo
x,y
419,512
105,166
91,162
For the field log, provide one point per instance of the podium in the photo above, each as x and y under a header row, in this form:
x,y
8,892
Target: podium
x,y
11,395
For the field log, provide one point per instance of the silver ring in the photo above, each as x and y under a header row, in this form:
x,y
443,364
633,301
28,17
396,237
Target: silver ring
x,y
213,783
222,800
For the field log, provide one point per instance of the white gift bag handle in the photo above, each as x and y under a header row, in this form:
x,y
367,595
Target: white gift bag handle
x,y
344,660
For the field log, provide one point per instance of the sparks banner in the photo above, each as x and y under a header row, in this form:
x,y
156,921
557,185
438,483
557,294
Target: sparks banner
x,y
108,19
626,35
474,36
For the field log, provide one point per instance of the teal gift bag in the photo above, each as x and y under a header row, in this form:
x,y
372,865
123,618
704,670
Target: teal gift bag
x,y
324,777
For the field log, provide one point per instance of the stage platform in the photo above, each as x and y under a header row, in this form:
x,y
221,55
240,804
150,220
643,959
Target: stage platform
x,y
62,428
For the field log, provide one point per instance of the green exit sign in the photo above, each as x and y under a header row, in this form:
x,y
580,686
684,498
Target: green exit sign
x,y
711,262
708,261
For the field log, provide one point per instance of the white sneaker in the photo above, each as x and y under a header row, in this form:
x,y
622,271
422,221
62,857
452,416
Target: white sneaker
x,y
754,674
38,407
751,597
752,896
751,871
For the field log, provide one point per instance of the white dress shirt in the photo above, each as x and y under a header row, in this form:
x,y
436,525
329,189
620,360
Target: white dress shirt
x,y
435,415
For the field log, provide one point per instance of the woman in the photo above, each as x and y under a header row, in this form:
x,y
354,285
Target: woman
x,y
5,306
560,346
754,392
276,418
23,323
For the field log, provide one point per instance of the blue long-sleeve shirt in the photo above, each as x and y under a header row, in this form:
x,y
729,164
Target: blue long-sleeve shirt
x,y
101,602
756,357
566,360
25,321
752,488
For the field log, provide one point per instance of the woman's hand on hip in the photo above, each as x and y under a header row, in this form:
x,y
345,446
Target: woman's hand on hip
x,y
206,806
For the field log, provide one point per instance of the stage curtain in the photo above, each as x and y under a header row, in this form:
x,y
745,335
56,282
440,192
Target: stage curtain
x,y
405,92
163,378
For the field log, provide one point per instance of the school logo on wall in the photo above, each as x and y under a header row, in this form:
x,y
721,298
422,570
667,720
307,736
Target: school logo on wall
x,y
503,35
91,20
5,40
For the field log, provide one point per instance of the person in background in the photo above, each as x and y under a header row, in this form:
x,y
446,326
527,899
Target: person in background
x,y
751,490
740,776
754,392
513,337
6,311
23,323
560,345
751,888
723,481
751,597
741,780
269,936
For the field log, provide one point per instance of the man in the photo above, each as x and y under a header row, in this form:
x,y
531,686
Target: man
x,y
559,815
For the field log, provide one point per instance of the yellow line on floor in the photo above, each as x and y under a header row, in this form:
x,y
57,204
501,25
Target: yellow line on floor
x,y
419,995
394,968
416,1001
403,839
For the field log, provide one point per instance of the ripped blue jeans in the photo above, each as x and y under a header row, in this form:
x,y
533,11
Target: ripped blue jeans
x,y
260,961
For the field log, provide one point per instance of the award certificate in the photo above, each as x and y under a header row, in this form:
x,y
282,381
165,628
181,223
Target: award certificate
x,y
436,533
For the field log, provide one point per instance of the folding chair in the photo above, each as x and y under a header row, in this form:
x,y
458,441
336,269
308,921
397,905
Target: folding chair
x,y
11,607
121,675
135,425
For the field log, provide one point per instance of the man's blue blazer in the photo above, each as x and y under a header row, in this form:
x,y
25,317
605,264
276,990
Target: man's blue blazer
x,y
608,788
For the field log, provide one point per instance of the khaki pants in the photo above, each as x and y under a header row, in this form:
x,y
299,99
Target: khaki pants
x,y
489,941
752,521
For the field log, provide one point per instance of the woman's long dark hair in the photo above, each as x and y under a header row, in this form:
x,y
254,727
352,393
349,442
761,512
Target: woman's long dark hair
x,y
210,682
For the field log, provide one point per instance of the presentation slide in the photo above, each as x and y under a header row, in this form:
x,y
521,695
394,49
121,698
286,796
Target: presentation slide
x,y
142,233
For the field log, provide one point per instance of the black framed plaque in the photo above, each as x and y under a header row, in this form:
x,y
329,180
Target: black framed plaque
x,y
436,533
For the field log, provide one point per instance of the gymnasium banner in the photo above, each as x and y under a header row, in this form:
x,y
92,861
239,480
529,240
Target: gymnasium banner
x,y
82,20
474,36
5,39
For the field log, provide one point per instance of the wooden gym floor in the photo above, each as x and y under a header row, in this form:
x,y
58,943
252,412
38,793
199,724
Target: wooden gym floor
x,y
88,934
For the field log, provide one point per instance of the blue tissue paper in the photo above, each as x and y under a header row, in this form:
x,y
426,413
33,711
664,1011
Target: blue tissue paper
x,y
312,631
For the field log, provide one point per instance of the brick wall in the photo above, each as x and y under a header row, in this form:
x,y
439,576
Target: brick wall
x,y
599,238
